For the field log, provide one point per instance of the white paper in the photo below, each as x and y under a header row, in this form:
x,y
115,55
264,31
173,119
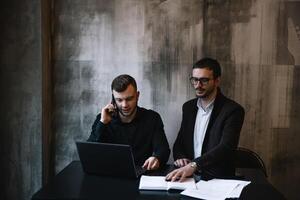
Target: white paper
x,y
188,183
238,190
216,189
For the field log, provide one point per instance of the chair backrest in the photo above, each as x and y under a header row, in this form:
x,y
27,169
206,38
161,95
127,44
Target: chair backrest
x,y
245,158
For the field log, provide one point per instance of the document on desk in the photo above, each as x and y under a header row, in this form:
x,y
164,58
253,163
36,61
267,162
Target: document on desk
x,y
159,183
216,189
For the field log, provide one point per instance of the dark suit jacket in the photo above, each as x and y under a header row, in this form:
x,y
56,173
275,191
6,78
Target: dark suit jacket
x,y
220,141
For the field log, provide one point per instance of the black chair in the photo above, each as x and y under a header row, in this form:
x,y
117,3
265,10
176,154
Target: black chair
x,y
245,158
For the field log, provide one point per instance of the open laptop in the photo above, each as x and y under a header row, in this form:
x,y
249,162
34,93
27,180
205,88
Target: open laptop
x,y
108,159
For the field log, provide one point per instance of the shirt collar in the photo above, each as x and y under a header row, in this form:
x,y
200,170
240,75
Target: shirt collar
x,y
209,106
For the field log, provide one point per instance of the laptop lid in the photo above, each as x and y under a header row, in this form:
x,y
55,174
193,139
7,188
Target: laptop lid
x,y
107,159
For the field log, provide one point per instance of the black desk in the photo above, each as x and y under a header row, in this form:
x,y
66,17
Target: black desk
x,y
73,183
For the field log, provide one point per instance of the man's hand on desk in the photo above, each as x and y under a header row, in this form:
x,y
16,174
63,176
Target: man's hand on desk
x,y
151,163
182,162
181,173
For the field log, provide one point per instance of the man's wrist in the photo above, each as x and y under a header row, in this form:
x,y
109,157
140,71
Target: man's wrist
x,y
104,121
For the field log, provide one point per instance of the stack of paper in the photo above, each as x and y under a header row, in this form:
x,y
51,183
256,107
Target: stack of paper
x,y
160,183
216,189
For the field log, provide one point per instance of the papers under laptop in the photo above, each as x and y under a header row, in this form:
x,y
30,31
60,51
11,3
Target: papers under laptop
x,y
108,159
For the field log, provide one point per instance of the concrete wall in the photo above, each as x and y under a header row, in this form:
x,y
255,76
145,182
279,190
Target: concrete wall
x,y
20,102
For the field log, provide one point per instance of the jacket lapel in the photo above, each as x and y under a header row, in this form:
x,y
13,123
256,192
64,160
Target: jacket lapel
x,y
216,110
193,113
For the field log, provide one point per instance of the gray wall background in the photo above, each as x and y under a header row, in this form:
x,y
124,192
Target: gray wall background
x,y
21,96
156,41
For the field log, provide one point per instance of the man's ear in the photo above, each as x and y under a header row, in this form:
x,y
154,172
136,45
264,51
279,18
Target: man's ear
x,y
137,95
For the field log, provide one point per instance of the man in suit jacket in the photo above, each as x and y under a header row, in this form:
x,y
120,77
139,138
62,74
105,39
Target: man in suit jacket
x,y
210,128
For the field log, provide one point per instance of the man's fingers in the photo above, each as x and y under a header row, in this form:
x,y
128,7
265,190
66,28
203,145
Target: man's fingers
x,y
154,164
105,113
170,175
181,162
149,165
186,161
108,107
173,176
145,165
176,176
182,178
180,174
176,163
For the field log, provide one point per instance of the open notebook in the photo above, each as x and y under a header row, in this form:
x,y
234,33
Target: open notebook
x,y
159,183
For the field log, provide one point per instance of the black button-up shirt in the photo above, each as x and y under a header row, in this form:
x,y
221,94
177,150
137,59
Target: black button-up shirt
x,y
145,134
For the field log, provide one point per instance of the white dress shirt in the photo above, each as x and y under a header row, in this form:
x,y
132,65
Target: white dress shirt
x,y
202,120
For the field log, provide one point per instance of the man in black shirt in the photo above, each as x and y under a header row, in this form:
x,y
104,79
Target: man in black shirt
x,y
123,122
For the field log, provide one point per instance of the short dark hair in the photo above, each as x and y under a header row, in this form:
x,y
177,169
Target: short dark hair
x,y
211,64
121,82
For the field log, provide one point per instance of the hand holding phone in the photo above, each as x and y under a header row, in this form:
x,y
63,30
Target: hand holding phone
x,y
109,111
113,102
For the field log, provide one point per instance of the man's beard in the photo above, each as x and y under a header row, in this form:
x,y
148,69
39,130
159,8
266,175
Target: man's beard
x,y
128,114
206,94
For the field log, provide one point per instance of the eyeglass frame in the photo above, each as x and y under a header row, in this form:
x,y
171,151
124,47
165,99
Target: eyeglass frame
x,y
202,80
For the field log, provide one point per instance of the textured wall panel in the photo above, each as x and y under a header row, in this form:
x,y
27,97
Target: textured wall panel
x,y
20,104
172,42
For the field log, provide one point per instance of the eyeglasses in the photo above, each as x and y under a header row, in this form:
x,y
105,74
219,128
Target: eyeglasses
x,y
202,81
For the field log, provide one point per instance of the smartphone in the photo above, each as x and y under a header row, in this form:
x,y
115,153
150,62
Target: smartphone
x,y
113,102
